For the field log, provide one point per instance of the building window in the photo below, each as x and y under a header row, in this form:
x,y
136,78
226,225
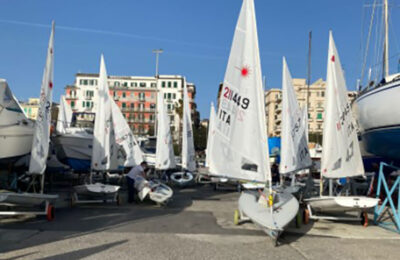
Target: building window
x,y
132,105
169,84
174,96
123,94
165,95
322,94
125,84
153,85
116,84
319,126
123,105
171,118
152,106
319,116
141,96
175,84
169,95
72,103
142,84
309,116
87,104
83,103
163,84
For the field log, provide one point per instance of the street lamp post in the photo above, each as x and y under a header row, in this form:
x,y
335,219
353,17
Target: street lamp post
x,y
157,52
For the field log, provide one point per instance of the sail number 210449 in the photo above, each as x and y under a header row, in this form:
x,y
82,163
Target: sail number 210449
x,y
236,98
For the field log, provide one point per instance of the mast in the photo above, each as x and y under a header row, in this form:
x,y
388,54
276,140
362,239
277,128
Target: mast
x,y
308,71
386,48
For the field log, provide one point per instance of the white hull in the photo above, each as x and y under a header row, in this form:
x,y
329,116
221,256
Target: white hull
x,y
182,178
273,222
76,145
25,199
17,139
378,115
97,190
156,191
341,204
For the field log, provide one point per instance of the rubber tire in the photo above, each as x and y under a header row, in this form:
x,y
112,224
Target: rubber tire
x,y
364,219
118,200
50,212
73,201
236,217
306,216
299,218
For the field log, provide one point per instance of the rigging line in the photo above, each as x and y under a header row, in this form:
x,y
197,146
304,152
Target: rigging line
x,y
393,33
368,40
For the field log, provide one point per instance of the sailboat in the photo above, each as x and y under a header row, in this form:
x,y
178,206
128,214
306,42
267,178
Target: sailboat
x,y
295,155
240,144
125,139
73,145
186,176
40,148
376,106
103,151
164,159
16,130
341,156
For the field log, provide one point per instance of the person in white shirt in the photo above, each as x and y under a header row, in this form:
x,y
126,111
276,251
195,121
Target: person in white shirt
x,y
137,171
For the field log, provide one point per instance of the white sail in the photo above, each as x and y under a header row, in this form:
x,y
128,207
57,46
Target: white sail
x,y
165,158
64,116
210,135
294,148
125,138
341,156
41,136
188,153
240,147
101,153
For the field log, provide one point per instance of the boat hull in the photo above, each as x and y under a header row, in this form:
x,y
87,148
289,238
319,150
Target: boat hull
x,y
378,115
97,190
334,204
75,150
25,199
18,142
271,222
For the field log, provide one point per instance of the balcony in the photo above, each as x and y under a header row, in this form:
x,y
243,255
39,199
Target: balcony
x,y
320,109
89,97
71,97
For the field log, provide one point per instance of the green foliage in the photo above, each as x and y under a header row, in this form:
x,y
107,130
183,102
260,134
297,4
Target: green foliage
x,y
200,138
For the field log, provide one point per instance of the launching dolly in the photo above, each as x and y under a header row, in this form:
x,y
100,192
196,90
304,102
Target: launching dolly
x,y
382,212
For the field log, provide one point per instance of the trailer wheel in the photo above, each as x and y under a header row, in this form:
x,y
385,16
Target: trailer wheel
x,y
299,218
364,219
118,200
306,216
50,212
236,217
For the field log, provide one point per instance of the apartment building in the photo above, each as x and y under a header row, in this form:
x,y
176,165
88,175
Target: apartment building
x,y
316,99
136,96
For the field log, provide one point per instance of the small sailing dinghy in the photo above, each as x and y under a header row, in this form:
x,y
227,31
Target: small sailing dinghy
x,y
39,152
341,156
103,149
164,160
295,155
240,145
186,176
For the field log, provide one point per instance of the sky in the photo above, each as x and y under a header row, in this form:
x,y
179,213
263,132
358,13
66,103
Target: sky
x,y
196,37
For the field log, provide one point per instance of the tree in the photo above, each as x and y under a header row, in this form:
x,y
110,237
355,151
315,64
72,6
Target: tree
x,y
200,137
